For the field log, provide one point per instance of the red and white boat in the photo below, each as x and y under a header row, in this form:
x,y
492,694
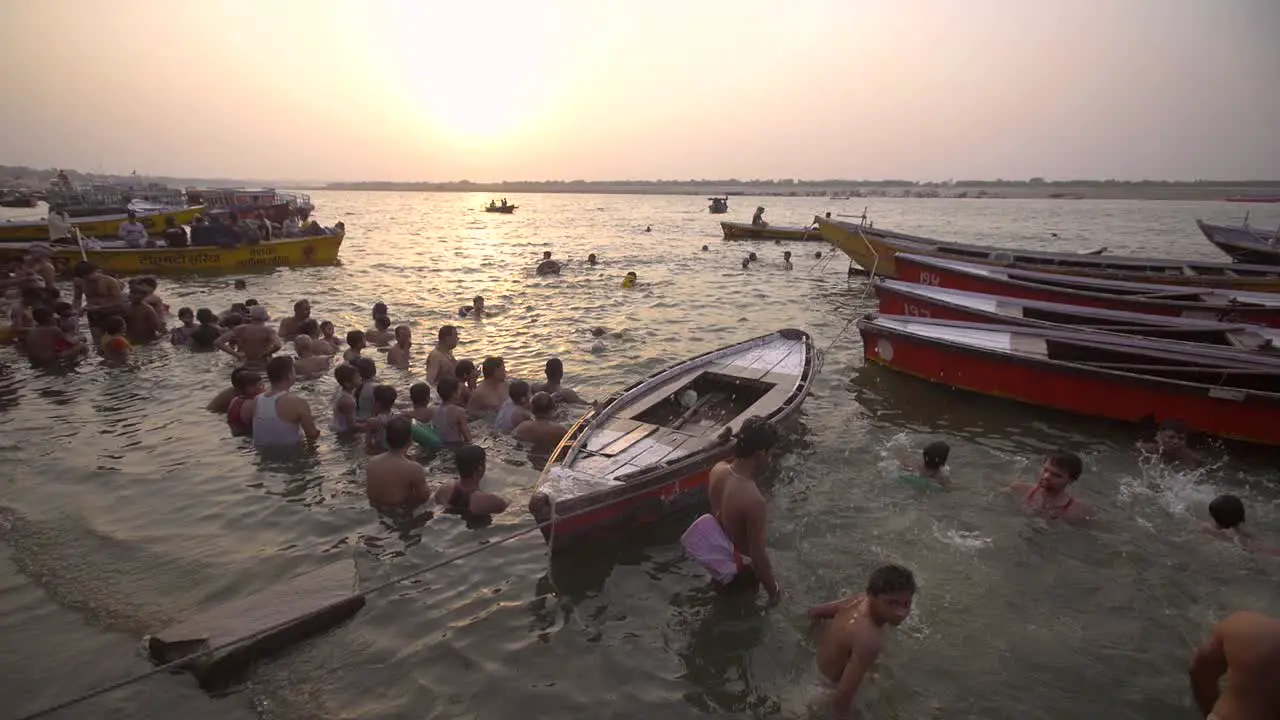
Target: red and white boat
x,y
1222,391
923,301
649,449
1229,306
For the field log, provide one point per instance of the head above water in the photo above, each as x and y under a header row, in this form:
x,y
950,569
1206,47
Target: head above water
x,y
382,322
447,388
591,259
366,367
302,343
543,405
114,325
206,316
477,302
447,336
86,270
302,309
470,460
936,454
546,255
1060,469
494,368
555,369
346,376
755,438
1172,435
379,309
890,590
241,285
464,370
185,314
280,370
786,255
245,380
1227,511
259,314
42,315
420,394
399,431
355,339
384,398
518,392
404,335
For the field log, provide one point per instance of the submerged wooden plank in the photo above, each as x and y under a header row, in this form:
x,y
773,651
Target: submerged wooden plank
x,y
284,614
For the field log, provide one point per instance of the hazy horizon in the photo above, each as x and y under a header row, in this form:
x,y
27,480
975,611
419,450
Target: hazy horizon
x,y
392,91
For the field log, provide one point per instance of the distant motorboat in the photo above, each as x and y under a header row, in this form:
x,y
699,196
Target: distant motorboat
x,y
505,209
719,205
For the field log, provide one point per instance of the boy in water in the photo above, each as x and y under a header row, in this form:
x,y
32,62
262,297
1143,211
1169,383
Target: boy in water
x,y
542,430
1049,497
932,473
855,635
113,342
344,403
207,332
422,411
516,409
181,335
1170,443
355,343
384,400
465,497
329,334
380,335
467,377
399,353
554,385
450,419
393,480
1227,512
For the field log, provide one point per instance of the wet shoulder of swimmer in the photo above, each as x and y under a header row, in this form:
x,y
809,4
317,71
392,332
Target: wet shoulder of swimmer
x,y
1227,522
932,472
392,479
852,632
475,310
1170,444
1050,496
1245,646
464,496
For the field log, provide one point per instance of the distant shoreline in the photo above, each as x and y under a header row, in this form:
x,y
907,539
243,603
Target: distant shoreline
x,y
1102,190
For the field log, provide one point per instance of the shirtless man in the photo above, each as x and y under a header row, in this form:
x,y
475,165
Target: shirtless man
x,y
393,480
254,343
491,392
380,335
542,431
291,326
1170,443
398,355
855,634
465,497
554,384
738,505
548,266
308,362
1247,645
99,294
1227,513
1049,497
440,361
475,309
319,345
47,343
141,318
37,263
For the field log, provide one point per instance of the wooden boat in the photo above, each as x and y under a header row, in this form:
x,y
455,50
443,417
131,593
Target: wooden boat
x,y
103,226
1222,391
1244,243
1229,306
875,250
648,449
1253,199
719,205
19,200
288,252
922,301
505,209
275,205
747,231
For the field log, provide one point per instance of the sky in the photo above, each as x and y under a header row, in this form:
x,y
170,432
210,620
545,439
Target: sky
x,y
438,90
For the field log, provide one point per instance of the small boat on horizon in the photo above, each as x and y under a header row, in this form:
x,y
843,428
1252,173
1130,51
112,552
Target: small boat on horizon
x,y
1244,243
747,231
1230,306
647,451
1253,199
875,249
1225,392
719,205
503,208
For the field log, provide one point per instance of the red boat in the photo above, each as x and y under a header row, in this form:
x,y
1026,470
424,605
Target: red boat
x,y
1225,392
649,449
1230,306
923,301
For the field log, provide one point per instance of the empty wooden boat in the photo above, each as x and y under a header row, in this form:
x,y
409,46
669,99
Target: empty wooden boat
x,y
1222,391
875,249
922,301
1229,306
648,449
747,231
1244,243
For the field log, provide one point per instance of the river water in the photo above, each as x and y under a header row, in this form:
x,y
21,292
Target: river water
x,y
124,506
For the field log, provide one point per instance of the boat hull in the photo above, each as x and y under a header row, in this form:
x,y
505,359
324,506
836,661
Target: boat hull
x,y
100,227
292,252
912,269
1071,388
1242,244
875,250
747,231
502,209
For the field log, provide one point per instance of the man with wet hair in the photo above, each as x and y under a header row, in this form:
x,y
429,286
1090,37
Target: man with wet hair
x,y
1170,443
392,479
1049,497
555,385
1227,512
855,635
491,392
542,431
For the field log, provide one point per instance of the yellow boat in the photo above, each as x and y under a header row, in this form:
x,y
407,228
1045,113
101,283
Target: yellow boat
x,y
289,252
99,226
747,231
874,249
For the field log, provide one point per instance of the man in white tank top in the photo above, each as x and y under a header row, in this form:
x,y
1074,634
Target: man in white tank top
x,y
281,418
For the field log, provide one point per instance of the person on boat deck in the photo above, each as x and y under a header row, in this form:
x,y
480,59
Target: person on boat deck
x,y
516,409
181,335
247,385
47,343
1245,645
440,361
144,323
504,202
248,231
1170,443
264,226
738,508
542,431
467,376
465,497
292,227
202,233
392,480
1049,497
548,266
132,232
281,418
399,353
308,362
852,641
493,203
355,344
206,332
368,383
314,229
1227,513
475,309
381,334
490,394
450,421
554,386
175,236
758,218
59,224
786,260
291,326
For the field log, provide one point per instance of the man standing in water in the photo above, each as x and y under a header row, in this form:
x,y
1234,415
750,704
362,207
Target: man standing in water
x,y
855,635
542,431
491,393
1049,497
738,507
101,295
440,362
143,321
554,385
280,418
1246,644
291,326
398,355
255,343
393,480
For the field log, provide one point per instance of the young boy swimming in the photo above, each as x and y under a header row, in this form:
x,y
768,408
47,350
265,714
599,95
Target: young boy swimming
x,y
932,473
854,635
